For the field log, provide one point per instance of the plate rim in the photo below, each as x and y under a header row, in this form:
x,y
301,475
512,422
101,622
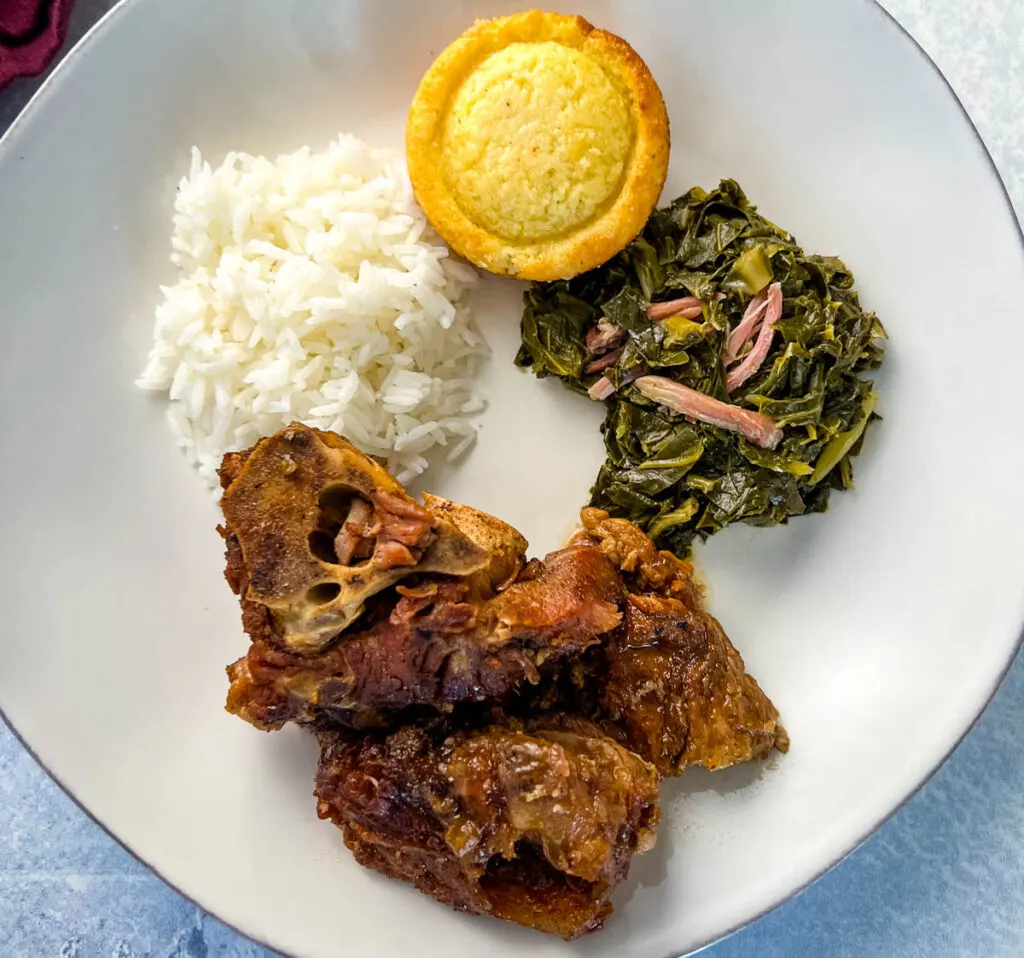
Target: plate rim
x,y
889,22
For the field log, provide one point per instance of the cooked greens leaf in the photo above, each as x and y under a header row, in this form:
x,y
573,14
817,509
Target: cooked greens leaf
x,y
626,309
835,452
555,326
679,479
752,269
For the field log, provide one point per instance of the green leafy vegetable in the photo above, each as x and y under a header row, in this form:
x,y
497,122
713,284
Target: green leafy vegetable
x,y
840,445
752,269
680,479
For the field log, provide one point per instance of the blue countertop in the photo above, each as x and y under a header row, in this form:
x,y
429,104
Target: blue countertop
x,y
944,877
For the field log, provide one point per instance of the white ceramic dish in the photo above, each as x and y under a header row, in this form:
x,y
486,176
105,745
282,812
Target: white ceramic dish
x,y
880,629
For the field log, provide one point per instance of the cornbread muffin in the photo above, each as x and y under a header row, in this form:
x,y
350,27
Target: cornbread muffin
x,y
538,145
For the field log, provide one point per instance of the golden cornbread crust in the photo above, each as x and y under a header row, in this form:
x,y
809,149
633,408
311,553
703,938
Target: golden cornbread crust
x,y
560,214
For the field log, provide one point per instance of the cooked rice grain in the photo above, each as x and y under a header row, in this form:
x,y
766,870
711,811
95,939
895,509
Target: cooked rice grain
x,y
311,287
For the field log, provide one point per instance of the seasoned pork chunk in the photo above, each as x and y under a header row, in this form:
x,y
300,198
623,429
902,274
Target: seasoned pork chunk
x,y
532,823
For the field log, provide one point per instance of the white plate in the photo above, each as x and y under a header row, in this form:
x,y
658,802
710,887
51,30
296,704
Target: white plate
x,y
879,629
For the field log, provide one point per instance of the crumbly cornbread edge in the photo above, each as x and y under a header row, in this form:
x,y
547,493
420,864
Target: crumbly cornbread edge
x,y
644,177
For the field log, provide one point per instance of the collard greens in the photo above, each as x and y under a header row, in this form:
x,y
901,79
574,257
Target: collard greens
x,y
679,479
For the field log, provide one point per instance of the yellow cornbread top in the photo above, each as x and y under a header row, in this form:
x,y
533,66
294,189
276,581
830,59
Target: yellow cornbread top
x,y
538,145
536,141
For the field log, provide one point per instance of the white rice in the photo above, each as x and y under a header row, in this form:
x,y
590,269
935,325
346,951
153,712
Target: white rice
x,y
311,287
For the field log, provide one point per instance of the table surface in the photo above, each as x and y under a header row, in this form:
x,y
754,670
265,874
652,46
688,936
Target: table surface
x,y
944,877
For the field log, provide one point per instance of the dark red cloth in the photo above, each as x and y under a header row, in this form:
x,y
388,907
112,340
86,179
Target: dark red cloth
x,y
31,32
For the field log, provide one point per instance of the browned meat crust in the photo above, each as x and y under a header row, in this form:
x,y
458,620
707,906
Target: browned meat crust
x,y
531,823
504,545
670,681
323,528
609,671
435,646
